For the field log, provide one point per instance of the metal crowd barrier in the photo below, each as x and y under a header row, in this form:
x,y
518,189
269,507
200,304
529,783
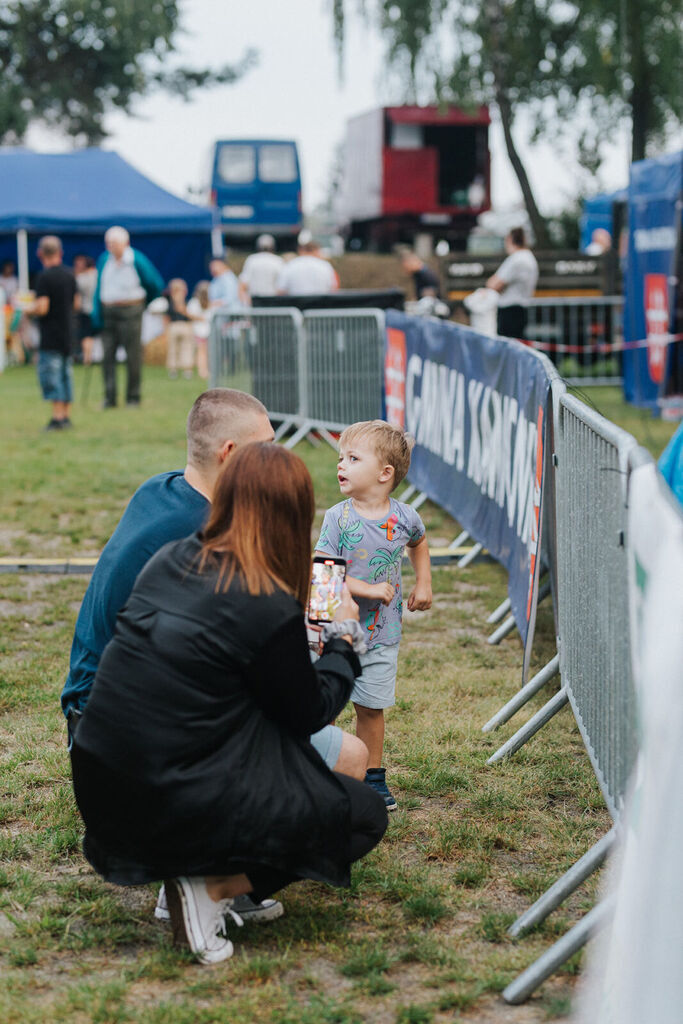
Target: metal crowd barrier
x,y
634,971
581,335
591,460
316,372
344,364
593,602
259,351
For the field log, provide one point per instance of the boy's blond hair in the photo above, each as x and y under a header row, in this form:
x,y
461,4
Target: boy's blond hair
x,y
391,445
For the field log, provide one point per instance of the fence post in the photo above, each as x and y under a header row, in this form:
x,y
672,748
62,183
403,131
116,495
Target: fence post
x,y
564,886
531,728
547,673
521,988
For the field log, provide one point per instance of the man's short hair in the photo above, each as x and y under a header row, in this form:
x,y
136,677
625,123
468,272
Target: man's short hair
x,y
518,238
265,243
391,445
50,245
217,416
116,234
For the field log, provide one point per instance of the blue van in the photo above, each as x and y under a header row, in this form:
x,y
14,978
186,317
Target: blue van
x,y
256,187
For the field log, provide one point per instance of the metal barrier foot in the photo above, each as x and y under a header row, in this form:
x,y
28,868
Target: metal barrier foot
x,y
509,624
475,550
459,540
420,500
282,429
521,988
564,886
547,673
531,728
502,631
330,438
500,611
299,434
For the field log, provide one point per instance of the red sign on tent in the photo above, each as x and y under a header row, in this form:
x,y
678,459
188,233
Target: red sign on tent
x,y
657,324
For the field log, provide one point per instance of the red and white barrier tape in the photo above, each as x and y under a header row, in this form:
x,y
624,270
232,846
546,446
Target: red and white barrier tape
x,y
600,348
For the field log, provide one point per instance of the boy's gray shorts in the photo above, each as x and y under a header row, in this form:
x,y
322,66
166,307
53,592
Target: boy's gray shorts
x,y
376,687
328,742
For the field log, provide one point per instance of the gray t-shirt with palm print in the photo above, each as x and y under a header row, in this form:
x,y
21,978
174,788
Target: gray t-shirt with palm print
x,y
373,549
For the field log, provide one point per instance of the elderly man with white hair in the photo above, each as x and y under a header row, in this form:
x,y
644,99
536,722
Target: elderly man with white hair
x,y
126,282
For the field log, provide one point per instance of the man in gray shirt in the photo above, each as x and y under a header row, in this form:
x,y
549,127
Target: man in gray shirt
x,y
515,280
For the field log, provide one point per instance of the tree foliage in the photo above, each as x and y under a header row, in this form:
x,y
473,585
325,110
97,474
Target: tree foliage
x,y
66,63
626,61
579,67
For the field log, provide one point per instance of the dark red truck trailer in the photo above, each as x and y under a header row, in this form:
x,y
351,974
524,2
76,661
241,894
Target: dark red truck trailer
x,y
411,170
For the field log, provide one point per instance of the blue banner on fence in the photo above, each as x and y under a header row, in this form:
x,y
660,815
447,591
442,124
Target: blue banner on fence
x,y
478,409
655,226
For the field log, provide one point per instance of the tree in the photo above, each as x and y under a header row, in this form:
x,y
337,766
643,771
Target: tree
x,y
627,60
66,63
578,68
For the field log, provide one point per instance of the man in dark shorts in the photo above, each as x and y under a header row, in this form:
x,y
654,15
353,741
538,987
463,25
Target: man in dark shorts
x,y
425,280
54,306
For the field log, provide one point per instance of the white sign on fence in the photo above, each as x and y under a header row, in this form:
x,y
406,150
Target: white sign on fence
x,y
636,976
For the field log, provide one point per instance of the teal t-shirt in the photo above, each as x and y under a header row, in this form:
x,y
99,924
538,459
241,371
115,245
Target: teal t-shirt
x,y
163,509
373,550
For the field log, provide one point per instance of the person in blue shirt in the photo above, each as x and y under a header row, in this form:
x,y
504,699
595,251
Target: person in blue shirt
x,y
224,287
671,463
165,508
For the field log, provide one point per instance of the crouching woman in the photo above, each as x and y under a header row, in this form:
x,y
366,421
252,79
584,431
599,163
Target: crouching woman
x,y
192,762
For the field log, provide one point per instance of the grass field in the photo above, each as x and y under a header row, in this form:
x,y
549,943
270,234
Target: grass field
x,y
420,936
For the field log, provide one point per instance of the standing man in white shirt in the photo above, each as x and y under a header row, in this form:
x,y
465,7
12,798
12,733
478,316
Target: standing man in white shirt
x,y
126,282
515,280
308,273
261,270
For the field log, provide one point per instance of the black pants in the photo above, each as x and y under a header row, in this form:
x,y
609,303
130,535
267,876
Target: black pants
x,y
511,321
369,821
121,325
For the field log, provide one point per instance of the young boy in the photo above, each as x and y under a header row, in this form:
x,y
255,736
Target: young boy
x,y
370,530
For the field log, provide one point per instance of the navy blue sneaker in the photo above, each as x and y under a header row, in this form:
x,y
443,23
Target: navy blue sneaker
x,y
376,777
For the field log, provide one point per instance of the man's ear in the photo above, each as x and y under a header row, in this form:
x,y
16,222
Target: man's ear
x,y
386,474
226,450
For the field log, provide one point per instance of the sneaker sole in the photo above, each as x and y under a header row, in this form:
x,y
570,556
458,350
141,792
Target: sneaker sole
x,y
185,919
258,916
262,914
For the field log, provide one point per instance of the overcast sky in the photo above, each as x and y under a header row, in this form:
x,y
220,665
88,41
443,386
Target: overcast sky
x,y
294,92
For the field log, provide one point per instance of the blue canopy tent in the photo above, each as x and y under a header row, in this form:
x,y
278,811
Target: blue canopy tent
x,y
79,195
598,212
655,200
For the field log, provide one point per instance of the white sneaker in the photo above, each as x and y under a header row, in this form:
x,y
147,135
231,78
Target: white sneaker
x,y
197,920
161,910
266,910
248,910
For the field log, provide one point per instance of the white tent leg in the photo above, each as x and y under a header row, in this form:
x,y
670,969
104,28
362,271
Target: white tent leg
x,y
22,259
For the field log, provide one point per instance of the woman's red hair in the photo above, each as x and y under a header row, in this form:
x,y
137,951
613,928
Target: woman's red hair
x,y
260,523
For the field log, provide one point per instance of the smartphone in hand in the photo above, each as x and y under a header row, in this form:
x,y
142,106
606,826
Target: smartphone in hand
x,y
326,588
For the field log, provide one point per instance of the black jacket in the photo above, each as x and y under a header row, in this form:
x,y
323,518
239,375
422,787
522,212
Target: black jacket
x,y
193,751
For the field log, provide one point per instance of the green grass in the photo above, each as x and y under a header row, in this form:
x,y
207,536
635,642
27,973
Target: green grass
x,y
421,934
